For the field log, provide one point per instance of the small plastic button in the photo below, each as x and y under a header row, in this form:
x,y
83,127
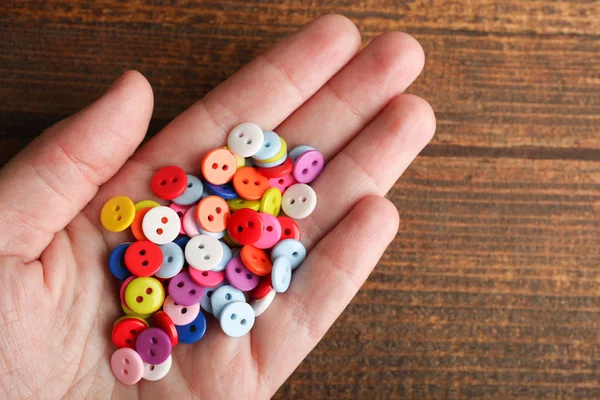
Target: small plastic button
x,y
143,258
145,204
180,314
260,305
264,287
275,172
116,262
182,241
239,203
299,201
144,295
180,210
296,151
206,279
161,225
271,232
289,228
256,260
184,290
193,192
194,331
126,331
241,161
218,166
273,164
203,252
154,346
189,223
130,313
123,287
173,261
223,191
281,276
281,154
212,214
206,303
223,296
154,372
291,249
308,166
246,139
216,235
226,257
245,226
249,184
237,319
169,182
271,202
283,182
136,225
127,366
271,146
162,321
117,214
239,276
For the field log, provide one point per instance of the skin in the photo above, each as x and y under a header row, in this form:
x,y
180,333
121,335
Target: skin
x,y
58,298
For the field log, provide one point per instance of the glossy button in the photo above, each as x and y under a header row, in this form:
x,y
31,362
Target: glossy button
x,y
206,303
239,276
169,182
238,203
237,319
206,279
194,331
216,235
283,182
277,171
246,139
264,287
281,154
145,204
143,258
226,257
212,214
130,313
203,252
136,225
276,163
116,262
193,192
154,346
249,184
123,287
126,331
218,166
127,366
308,166
223,296
190,226
289,228
180,314
271,146
224,191
256,260
154,372
245,226
271,202
172,262
299,201
296,151
180,210
162,321
271,232
144,295
260,305
161,225
281,275
117,214
184,290
291,249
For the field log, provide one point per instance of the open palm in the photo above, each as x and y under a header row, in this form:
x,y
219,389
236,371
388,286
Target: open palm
x,y
58,299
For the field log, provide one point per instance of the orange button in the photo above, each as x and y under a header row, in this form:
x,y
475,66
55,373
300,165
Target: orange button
x,y
212,214
249,184
136,225
219,166
256,260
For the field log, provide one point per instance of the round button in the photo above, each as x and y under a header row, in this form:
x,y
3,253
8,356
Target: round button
x,y
161,225
223,296
246,139
182,241
203,252
154,346
281,276
193,192
224,191
212,214
238,203
239,276
194,331
237,319
116,262
283,182
206,303
271,146
190,225
180,314
136,225
226,257
256,260
172,262
216,235
271,202
218,166
245,226
271,164
249,184
180,210
126,331
281,154
308,166
299,201
127,366
260,305
289,228
144,295
271,232
145,204
280,170
184,290
154,372
206,279
123,287
241,161
130,313
296,151
117,214
143,258
169,182
264,287
162,321
291,249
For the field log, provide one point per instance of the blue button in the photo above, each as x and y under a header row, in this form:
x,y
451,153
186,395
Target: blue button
x,y
192,194
227,255
173,260
181,241
270,147
192,332
116,262
296,151
225,191
281,275
291,249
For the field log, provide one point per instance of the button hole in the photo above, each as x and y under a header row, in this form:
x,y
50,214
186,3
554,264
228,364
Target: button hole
x,y
238,270
233,316
243,322
154,340
228,296
218,210
183,310
205,273
163,182
164,220
139,299
149,291
192,292
215,166
145,263
192,328
180,284
159,231
269,229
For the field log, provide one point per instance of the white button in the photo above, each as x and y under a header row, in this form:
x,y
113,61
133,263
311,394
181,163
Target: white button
x,y
246,140
281,275
203,252
223,296
161,225
155,372
237,319
259,306
299,201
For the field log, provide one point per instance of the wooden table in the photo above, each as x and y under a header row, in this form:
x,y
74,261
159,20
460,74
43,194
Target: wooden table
x,y
492,287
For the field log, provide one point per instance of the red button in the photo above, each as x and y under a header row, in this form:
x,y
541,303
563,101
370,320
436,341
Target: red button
x,y
207,279
163,322
125,332
264,287
169,182
277,171
143,258
245,226
289,228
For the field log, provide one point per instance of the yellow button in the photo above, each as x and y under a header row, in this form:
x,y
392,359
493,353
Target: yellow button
x,y
129,317
130,313
117,214
239,203
241,161
144,295
279,155
145,204
271,202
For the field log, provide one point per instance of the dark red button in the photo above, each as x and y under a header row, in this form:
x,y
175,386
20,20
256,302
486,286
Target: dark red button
x,y
163,322
263,288
143,258
126,331
289,228
169,182
277,171
245,226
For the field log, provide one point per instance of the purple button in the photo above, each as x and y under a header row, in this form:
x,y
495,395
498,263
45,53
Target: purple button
x,y
271,232
308,166
184,290
239,276
153,345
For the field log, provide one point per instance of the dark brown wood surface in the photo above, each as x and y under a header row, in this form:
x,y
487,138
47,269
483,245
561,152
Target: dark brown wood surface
x,y
492,286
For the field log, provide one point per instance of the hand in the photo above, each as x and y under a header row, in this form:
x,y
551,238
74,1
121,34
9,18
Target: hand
x,y
58,299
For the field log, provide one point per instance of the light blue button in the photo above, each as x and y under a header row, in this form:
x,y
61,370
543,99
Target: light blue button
x,y
218,235
224,295
296,151
270,147
205,302
291,249
227,255
272,164
281,275
173,260
192,194
237,319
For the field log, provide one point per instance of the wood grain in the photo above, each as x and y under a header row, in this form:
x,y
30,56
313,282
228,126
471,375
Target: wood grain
x,y
492,286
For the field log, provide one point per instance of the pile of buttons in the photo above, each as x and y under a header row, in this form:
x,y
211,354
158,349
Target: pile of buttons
x,y
225,245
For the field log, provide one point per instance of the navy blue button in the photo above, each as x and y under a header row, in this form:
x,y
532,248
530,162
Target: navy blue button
x,y
225,191
116,262
192,332
181,241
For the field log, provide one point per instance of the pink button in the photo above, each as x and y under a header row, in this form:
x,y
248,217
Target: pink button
x,y
239,276
189,224
271,232
308,166
123,287
127,366
208,279
181,315
180,210
283,182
